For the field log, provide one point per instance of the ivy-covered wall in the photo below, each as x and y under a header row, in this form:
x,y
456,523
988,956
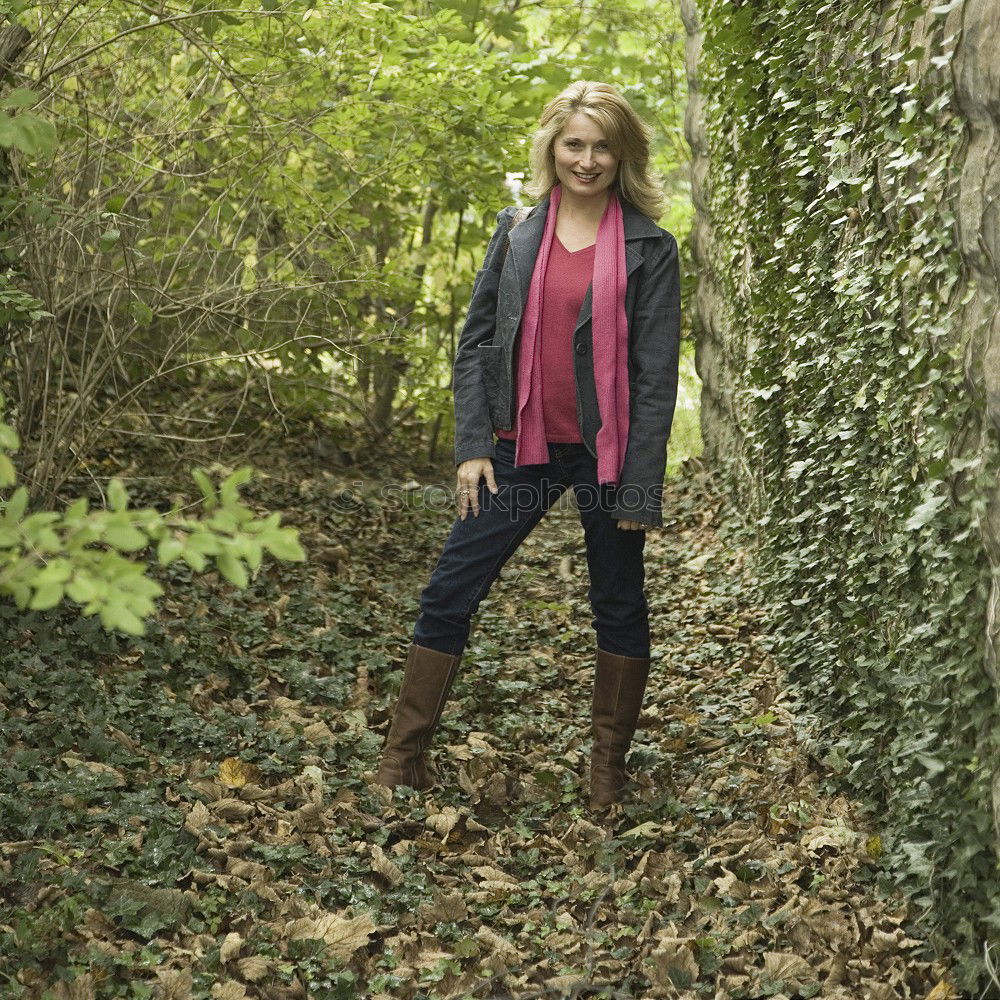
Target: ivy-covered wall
x,y
847,184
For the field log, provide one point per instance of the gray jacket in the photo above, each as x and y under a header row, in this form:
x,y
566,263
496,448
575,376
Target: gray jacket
x,y
486,357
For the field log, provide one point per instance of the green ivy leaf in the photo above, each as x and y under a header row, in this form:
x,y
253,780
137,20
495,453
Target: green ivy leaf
x,y
924,513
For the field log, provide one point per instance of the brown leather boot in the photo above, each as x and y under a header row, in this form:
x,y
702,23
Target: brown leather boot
x,y
427,680
619,684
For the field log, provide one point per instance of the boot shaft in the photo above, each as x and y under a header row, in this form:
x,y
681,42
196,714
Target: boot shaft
x,y
427,680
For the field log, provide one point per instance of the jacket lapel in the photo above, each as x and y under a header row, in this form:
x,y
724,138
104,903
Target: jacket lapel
x,y
526,239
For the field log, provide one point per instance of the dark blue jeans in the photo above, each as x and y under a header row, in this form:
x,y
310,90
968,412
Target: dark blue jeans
x,y
478,547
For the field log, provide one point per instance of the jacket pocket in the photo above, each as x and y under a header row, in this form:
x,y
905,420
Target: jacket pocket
x,y
491,360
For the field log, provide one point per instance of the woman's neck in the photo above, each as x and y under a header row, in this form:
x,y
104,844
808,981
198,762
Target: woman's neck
x,y
583,211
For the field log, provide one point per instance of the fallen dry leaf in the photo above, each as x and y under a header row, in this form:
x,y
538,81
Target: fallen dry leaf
x,y
343,935
174,984
228,990
384,866
789,968
443,822
673,958
235,773
232,809
197,819
253,968
230,947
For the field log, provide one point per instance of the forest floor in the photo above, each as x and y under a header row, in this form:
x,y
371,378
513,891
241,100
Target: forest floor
x,y
189,814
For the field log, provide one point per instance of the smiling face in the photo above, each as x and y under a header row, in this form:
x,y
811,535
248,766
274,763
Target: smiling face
x,y
584,162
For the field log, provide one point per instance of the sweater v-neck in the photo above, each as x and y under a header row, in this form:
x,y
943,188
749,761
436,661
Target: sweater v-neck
x,y
573,253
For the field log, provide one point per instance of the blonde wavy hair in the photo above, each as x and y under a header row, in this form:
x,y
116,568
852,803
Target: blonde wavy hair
x,y
626,133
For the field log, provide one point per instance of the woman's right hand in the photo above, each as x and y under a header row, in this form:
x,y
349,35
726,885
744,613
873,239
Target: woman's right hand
x,y
469,474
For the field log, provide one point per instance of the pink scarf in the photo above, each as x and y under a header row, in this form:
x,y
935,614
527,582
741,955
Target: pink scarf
x,y
610,340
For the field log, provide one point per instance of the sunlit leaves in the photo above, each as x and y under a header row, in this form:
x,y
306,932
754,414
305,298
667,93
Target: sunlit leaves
x,y
80,554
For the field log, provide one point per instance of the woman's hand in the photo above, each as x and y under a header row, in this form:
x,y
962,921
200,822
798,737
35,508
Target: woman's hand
x,y
469,474
631,525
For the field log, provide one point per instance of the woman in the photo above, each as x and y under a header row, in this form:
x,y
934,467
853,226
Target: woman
x,y
578,306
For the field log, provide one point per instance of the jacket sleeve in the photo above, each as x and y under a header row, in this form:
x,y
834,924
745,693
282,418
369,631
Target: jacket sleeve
x,y
655,350
473,427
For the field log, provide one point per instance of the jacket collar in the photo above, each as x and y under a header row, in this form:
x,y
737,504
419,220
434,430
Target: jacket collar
x,y
526,239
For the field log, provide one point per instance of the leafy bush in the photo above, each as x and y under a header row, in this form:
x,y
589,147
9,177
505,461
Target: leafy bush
x,y
47,556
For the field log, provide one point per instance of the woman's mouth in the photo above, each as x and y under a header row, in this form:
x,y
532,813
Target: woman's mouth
x,y
586,178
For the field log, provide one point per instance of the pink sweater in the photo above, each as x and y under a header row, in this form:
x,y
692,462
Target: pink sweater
x,y
567,279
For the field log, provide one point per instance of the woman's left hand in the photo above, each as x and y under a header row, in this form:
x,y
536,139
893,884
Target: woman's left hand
x,y
631,525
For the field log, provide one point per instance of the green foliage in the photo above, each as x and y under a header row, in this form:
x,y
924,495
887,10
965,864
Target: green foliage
x,y
47,556
34,136
22,129
833,155
16,305
323,262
